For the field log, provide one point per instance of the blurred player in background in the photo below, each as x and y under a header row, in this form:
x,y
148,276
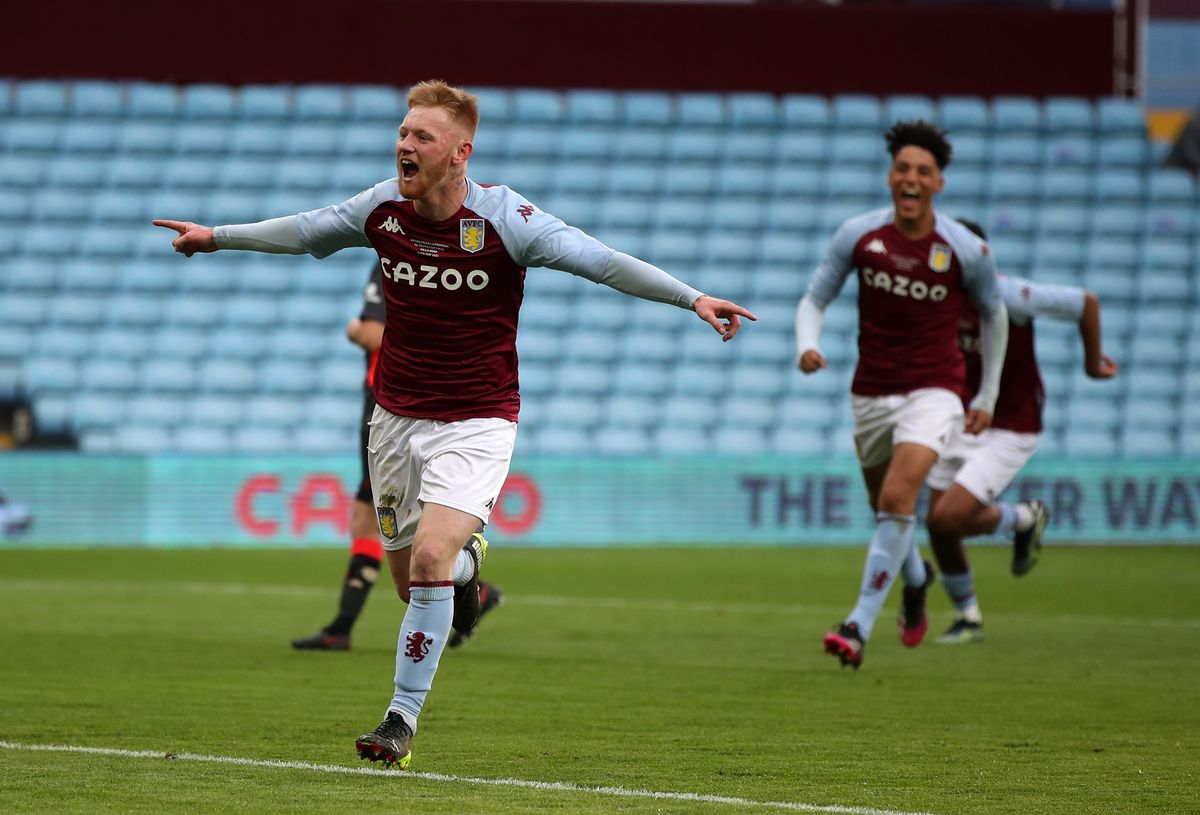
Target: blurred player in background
x,y
974,470
916,269
453,255
366,551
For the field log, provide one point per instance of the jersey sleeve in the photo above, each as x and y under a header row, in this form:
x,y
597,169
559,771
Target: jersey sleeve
x,y
1027,300
835,267
341,226
536,238
978,265
374,307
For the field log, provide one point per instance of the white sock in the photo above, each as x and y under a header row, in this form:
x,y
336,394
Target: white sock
x,y
1024,517
464,568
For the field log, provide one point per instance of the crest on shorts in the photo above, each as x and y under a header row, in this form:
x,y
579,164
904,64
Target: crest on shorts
x,y
387,522
470,234
939,257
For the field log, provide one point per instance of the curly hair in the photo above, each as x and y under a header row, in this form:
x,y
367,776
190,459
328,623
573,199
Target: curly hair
x,y
920,134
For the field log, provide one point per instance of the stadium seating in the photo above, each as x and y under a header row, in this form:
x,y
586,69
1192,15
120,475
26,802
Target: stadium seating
x,y
117,338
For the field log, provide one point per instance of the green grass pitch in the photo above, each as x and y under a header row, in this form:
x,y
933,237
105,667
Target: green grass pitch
x,y
696,673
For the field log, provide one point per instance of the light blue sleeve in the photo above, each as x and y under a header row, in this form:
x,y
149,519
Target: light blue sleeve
x,y
535,238
978,264
827,282
1027,300
342,226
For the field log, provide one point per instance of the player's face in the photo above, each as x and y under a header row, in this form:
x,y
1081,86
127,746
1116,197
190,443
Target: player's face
x,y
914,179
429,143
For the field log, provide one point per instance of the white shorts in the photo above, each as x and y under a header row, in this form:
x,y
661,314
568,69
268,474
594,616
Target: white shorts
x,y
983,465
461,465
926,417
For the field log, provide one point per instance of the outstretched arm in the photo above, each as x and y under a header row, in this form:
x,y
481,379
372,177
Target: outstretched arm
x,y
278,236
1096,364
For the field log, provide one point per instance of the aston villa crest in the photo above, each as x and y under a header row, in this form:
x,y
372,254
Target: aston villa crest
x,y
470,234
939,257
387,522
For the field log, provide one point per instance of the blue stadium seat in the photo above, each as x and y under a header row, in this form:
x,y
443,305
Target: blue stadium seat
x,y
907,108
215,411
1172,186
1173,221
313,140
1120,186
141,440
201,439
158,410
1123,117
963,114
21,171
141,138
140,173
1110,285
1018,187
573,411
631,408
79,173
15,204
1060,186
91,138
383,103
1147,442
641,145
1015,149
794,215
971,150
739,441
534,105
150,100
648,108
858,112
592,107
1117,220
257,138
1012,254
203,139
1065,114
27,136
207,101
802,147
688,179
1106,253
731,250
192,173
495,104
556,441
805,112
798,441
1122,152
228,377
97,410
1016,114
693,146
320,102
687,213
291,377
109,375
858,185
621,441
35,277
1063,220
751,110
258,102
1069,151
264,439
247,345
592,346
584,378
194,312
539,142
1010,220
47,239
1164,284
746,215
858,148
596,144
38,97
700,110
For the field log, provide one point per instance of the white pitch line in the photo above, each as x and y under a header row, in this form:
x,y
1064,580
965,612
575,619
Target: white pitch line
x,y
558,601
547,786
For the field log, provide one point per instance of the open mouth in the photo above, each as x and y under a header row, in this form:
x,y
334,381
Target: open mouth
x,y
408,169
910,195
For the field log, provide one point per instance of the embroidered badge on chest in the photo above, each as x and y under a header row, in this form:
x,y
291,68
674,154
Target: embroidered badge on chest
x,y
471,234
939,257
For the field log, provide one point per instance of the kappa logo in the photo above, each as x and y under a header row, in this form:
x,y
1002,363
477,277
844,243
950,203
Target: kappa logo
x,y
525,210
392,225
417,646
877,247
